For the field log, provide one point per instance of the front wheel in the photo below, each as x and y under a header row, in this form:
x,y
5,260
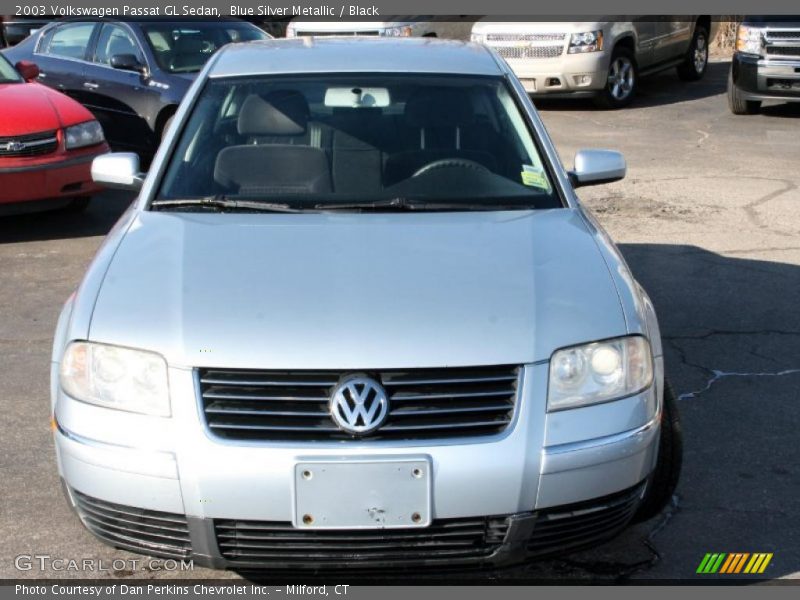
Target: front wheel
x,y
695,64
622,82
738,103
665,476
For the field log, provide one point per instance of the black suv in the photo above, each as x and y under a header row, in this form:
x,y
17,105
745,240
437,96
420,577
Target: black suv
x,y
766,64
131,74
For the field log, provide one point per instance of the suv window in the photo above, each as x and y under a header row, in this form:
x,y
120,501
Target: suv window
x,y
70,41
332,139
115,40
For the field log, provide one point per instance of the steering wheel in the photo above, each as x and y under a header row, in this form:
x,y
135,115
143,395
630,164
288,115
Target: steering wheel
x,y
450,163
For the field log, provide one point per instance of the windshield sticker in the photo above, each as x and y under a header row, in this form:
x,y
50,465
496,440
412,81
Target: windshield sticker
x,y
534,177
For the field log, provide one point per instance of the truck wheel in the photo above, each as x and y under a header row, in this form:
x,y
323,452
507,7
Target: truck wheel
x,y
694,65
623,79
738,104
665,477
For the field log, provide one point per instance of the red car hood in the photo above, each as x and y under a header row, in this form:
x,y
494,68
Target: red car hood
x,y
31,107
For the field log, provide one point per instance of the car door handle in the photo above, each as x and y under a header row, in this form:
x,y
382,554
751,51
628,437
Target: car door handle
x,y
90,85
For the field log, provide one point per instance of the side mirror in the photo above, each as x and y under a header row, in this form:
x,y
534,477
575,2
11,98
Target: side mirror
x,y
593,167
127,62
28,70
118,170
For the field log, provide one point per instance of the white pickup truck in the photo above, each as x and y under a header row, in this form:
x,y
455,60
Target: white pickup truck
x,y
603,59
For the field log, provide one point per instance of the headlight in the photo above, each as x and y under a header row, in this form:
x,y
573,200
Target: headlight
x,y
114,377
589,41
402,31
85,134
477,37
748,39
599,372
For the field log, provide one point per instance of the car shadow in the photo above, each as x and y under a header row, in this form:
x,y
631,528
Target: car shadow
x,y
656,90
98,218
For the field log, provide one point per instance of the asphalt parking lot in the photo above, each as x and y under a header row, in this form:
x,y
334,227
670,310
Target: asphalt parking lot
x,y
709,220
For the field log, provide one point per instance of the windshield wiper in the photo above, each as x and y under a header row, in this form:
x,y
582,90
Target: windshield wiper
x,y
223,203
401,204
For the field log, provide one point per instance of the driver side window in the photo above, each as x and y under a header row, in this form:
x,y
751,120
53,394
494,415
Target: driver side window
x,y
115,40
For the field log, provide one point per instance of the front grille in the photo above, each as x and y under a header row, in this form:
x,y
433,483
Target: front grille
x,y
584,524
423,403
773,35
33,144
527,45
138,529
793,51
264,542
529,51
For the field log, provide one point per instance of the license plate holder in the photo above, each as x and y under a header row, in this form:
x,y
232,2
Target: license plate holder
x,y
362,494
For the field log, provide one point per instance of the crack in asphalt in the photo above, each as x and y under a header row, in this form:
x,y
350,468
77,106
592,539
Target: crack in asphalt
x,y
724,374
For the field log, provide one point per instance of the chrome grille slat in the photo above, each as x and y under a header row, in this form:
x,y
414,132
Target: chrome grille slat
x,y
294,405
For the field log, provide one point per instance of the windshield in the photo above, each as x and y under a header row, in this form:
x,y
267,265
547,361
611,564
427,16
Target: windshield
x,y
185,47
8,74
341,140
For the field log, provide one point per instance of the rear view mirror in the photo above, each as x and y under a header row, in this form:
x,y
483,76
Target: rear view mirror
x,y
118,170
127,62
28,70
593,167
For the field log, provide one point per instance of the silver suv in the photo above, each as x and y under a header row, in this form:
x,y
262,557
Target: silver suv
x,y
601,59
357,317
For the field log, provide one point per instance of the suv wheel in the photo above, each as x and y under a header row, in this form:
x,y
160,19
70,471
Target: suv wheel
x,y
694,65
665,477
623,79
738,104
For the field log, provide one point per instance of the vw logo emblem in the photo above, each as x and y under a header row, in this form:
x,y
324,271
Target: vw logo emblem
x,y
359,405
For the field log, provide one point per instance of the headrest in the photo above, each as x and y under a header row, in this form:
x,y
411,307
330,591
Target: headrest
x,y
439,107
282,112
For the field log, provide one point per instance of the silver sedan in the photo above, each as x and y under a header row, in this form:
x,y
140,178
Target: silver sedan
x,y
357,316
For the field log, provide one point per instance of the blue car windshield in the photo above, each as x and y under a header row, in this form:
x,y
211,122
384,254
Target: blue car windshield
x,y
333,138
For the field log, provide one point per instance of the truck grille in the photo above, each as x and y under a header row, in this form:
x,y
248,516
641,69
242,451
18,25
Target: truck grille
x,y
149,531
33,144
423,403
527,45
583,524
782,42
264,542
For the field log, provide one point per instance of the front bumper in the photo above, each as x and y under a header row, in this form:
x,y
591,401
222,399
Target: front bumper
x,y
49,178
541,467
760,79
568,74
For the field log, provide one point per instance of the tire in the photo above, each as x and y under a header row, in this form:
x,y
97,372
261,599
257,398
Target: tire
x,y
664,478
622,82
738,104
694,66
77,205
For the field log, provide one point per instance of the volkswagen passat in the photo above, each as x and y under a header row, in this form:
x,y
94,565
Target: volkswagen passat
x,y
358,317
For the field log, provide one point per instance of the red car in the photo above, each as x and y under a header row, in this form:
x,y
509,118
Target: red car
x,y
47,143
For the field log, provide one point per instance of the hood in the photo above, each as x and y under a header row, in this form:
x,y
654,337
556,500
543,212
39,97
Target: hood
x,y
356,291
31,107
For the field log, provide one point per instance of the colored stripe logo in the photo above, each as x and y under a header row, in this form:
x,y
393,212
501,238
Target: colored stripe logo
x,y
734,563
